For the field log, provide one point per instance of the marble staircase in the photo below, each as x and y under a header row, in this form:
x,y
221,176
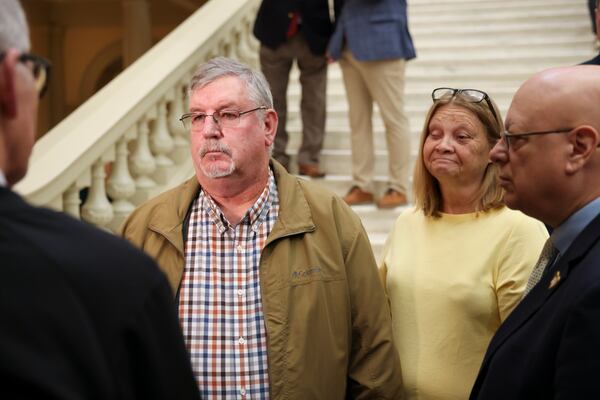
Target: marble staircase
x,y
492,45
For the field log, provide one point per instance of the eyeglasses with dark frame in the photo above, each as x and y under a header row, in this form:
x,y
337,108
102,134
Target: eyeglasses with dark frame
x,y
509,137
223,118
470,95
40,68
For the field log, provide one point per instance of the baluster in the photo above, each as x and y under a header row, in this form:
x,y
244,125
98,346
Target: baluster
x,y
162,144
120,185
234,44
252,45
71,201
142,164
181,150
97,210
247,55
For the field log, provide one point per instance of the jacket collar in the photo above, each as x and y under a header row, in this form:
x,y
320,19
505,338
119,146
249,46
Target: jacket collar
x,y
294,212
169,217
552,280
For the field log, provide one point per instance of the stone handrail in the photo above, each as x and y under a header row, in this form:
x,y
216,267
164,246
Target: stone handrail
x,y
125,144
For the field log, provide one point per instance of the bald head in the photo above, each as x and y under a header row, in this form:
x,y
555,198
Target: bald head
x,y
551,167
558,98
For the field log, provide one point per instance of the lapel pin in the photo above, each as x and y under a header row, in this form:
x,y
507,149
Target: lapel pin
x,y
555,280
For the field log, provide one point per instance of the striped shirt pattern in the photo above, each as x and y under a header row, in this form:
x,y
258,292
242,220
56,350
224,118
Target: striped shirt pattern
x,y
220,307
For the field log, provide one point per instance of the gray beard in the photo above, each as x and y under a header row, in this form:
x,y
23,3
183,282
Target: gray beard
x,y
214,172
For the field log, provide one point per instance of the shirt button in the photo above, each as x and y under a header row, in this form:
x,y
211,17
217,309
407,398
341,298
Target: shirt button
x,y
240,292
239,248
243,391
241,340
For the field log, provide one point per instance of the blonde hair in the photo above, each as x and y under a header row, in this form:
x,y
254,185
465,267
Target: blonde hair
x,y
426,188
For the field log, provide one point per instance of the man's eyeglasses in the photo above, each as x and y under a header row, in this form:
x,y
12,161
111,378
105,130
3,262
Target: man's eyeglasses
x,y
40,68
469,95
509,138
224,118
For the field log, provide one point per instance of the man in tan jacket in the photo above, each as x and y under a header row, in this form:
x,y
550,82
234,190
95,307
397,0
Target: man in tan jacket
x,y
275,279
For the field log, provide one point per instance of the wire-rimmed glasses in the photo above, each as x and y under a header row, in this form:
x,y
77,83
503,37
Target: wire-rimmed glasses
x,y
510,137
223,118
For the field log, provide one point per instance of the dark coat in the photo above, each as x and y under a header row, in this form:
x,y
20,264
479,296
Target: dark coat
x,y
273,20
373,30
83,315
593,61
549,347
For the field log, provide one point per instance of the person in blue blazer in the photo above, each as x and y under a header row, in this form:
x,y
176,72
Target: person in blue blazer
x,y
372,43
549,347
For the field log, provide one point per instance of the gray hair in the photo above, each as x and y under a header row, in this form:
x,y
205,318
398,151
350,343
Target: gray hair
x,y
219,67
13,26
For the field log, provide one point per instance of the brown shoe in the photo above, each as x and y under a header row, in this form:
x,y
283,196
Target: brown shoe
x,y
311,170
392,199
357,196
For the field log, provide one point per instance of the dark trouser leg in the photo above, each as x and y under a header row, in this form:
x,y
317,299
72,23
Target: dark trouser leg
x,y
313,78
276,65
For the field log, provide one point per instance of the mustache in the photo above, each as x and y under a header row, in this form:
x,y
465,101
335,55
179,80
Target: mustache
x,y
214,146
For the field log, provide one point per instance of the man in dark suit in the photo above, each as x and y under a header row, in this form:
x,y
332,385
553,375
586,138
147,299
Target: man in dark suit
x,y
596,60
83,315
297,30
549,347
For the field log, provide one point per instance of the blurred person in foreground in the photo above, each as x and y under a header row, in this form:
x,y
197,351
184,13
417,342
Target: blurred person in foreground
x,y
277,285
456,265
549,161
83,315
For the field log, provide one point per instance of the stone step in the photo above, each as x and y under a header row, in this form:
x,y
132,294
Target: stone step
x,y
482,16
518,42
341,184
504,28
421,73
338,161
433,7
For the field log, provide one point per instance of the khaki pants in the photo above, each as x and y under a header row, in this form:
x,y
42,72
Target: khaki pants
x,y
381,82
276,65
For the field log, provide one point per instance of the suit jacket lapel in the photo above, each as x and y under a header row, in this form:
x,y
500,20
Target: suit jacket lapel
x,y
552,280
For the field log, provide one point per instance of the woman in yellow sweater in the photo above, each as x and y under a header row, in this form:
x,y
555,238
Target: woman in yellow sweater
x,y
456,265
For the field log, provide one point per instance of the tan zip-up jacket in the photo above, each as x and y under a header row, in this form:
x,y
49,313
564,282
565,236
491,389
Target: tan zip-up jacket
x,y
328,323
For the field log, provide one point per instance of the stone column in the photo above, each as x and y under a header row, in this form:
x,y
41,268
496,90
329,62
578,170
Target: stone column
x,y
137,29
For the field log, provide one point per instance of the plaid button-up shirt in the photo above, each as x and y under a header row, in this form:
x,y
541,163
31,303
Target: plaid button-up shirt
x,y
220,307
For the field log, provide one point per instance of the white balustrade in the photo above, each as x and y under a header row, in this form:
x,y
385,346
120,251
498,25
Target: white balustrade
x,y
121,185
181,150
161,144
72,201
97,209
75,153
142,164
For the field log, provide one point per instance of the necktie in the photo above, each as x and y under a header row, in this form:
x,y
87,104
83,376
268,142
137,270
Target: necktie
x,y
548,254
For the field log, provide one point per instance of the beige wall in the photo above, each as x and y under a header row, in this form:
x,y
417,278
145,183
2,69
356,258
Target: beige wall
x,y
82,38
